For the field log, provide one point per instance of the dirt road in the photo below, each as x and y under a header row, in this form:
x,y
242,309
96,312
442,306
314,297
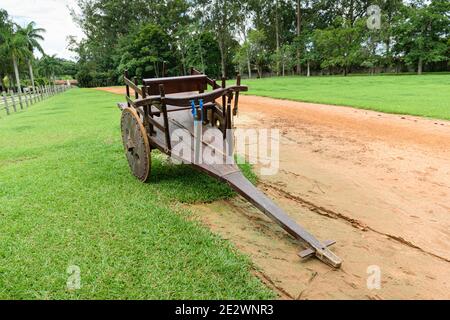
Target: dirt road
x,y
378,184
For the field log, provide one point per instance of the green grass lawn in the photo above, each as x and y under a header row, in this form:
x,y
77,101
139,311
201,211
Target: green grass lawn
x,y
426,95
67,198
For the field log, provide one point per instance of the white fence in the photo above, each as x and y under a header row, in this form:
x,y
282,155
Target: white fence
x,y
13,102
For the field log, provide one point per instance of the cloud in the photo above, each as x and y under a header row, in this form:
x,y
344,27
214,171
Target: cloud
x,y
53,16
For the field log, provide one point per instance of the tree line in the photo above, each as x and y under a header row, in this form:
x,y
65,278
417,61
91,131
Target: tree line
x,y
17,57
259,37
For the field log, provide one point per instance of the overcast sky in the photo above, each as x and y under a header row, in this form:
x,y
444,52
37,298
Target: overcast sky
x,y
52,15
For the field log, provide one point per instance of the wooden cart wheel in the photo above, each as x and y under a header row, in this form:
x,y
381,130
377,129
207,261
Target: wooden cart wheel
x,y
135,142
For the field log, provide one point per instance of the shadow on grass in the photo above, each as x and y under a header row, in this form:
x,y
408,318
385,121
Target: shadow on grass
x,y
23,128
188,185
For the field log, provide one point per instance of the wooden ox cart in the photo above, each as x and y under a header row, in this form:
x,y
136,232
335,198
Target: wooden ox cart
x,y
161,106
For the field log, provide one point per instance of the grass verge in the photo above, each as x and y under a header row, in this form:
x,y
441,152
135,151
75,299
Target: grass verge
x,y
426,95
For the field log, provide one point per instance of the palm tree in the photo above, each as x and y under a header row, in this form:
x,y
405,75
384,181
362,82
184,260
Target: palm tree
x,y
5,31
15,43
49,66
32,36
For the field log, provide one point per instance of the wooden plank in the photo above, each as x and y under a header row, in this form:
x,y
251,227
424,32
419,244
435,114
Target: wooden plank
x,y
183,100
165,116
137,92
239,183
177,84
236,97
195,72
309,252
156,124
133,86
170,79
131,102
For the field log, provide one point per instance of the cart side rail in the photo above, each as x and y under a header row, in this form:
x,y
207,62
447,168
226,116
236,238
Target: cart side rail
x,y
185,101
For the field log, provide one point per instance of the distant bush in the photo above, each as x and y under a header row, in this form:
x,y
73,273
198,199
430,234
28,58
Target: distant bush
x,y
90,79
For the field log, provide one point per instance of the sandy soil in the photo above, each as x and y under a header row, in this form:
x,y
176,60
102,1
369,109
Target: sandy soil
x,y
378,184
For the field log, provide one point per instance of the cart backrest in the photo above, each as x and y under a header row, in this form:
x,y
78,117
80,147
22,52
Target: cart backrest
x,y
177,84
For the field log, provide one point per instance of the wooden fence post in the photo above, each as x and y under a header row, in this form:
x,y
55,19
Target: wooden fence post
x,y
6,103
31,98
26,99
20,100
13,101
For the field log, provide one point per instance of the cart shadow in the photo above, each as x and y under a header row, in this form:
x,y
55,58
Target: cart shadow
x,y
185,184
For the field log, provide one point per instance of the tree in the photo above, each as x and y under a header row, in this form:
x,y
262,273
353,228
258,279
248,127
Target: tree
x,y
305,44
422,34
258,50
242,58
32,36
203,53
370,55
391,11
144,53
49,66
16,47
299,31
275,17
340,47
223,18
68,68
5,32
106,23
284,59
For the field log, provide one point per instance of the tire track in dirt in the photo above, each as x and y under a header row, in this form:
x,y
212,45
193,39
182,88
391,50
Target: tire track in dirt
x,y
283,294
353,222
